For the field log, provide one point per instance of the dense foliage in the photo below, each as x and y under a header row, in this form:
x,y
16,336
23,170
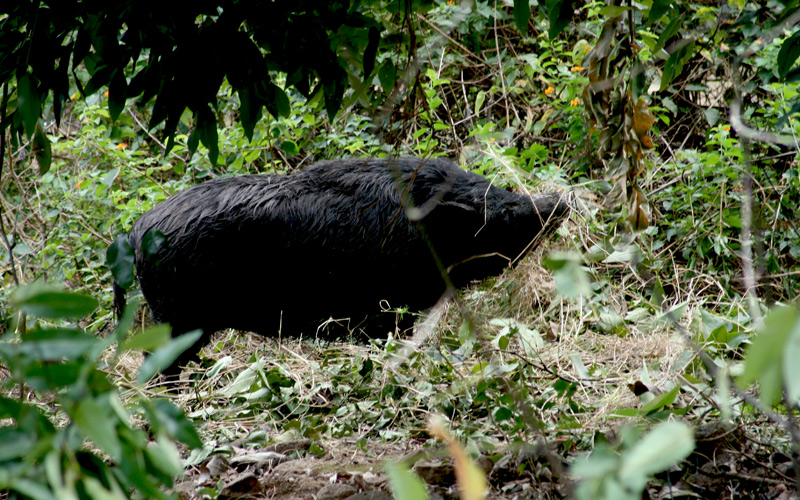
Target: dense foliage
x,y
673,123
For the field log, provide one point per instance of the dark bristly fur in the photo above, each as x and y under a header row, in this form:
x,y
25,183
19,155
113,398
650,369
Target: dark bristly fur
x,y
266,253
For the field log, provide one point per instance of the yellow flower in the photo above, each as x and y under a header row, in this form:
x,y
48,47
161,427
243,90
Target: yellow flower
x,y
106,94
549,90
578,68
451,2
575,102
122,145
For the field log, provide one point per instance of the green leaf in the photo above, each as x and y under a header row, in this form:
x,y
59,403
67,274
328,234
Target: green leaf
x,y
522,14
40,146
28,103
164,456
658,9
45,301
152,242
766,348
117,94
660,402
569,274
150,339
207,133
790,51
164,356
31,489
674,65
96,421
249,111
15,443
171,419
290,147
631,253
387,75
664,446
791,367
404,484
602,461
712,116
374,38
281,101
559,12
670,31
613,10
119,258
56,345
479,100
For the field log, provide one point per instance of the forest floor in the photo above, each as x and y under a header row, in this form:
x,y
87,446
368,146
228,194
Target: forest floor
x,y
255,450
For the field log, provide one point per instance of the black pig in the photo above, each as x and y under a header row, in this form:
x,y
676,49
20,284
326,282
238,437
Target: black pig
x,y
341,239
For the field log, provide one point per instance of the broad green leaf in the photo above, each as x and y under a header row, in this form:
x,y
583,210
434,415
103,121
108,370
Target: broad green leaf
x,y
117,94
249,111
613,10
290,147
152,242
207,133
150,339
665,445
96,421
387,75
119,258
790,51
674,313
631,253
600,462
164,356
670,31
404,484
674,65
31,489
658,9
164,456
28,103
97,491
374,38
571,280
712,116
522,14
661,401
479,100
559,12
791,364
280,100
171,419
45,301
766,348
15,443
56,345
244,381
40,146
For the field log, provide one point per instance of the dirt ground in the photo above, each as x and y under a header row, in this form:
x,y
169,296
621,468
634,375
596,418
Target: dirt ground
x,y
727,464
